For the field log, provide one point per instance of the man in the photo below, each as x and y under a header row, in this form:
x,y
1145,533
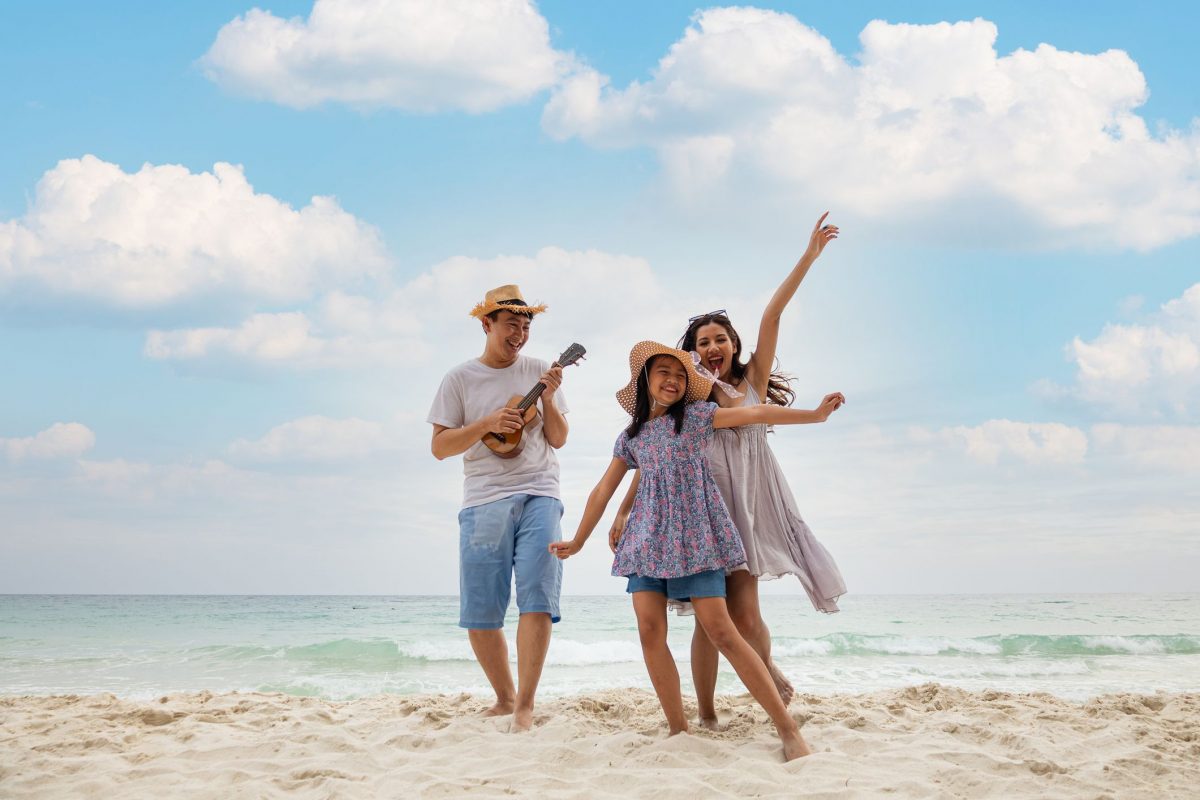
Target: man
x,y
511,506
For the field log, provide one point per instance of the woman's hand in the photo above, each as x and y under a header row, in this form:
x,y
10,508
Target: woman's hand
x,y
565,550
821,235
830,404
615,532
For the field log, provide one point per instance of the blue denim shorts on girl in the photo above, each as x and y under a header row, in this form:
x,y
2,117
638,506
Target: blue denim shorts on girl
x,y
498,539
702,584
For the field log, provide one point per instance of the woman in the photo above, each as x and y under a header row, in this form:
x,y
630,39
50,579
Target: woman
x,y
776,539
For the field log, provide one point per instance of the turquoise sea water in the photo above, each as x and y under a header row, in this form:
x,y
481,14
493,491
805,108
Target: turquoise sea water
x,y
339,647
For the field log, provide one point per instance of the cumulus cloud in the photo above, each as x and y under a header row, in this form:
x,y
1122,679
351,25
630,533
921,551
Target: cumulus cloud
x,y
418,55
929,120
316,438
1107,448
60,440
408,324
1029,442
163,234
1172,447
291,339
1147,368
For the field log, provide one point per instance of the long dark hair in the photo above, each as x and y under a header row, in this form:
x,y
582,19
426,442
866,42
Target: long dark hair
x,y
641,408
779,385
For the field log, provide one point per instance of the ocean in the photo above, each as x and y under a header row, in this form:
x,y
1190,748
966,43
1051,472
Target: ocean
x,y
1073,646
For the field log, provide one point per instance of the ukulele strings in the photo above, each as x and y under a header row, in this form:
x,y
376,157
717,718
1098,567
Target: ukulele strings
x,y
533,394
526,401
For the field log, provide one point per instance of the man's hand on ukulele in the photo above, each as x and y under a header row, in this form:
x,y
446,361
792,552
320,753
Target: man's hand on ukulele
x,y
504,420
564,550
551,379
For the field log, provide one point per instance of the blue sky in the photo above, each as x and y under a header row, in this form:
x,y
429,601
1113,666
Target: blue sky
x,y
219,385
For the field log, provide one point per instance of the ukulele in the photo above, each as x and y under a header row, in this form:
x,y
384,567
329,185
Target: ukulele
x,y
508,445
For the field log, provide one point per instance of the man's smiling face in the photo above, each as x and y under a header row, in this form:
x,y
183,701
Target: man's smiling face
x,y
506,335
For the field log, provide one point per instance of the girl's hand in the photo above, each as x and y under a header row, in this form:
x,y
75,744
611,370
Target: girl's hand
x,y
821,235
830,404
564,550
615,532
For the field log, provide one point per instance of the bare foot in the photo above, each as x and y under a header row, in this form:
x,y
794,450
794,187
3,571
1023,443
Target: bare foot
x,y
786,690
522,720
794,747
501,709
677,732
710,723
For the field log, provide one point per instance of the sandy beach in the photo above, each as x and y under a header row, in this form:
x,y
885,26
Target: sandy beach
x,y
925,741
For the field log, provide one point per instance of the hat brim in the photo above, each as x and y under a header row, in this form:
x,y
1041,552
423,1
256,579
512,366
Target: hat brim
x,y
481,310
698,388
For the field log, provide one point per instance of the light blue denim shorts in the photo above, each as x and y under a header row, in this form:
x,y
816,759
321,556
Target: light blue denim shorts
x,y
498,539
702,584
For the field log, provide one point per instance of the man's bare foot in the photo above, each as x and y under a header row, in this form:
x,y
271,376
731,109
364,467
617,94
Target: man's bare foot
x,y
501,709
710,723
677,732
522,720
794,747
786,690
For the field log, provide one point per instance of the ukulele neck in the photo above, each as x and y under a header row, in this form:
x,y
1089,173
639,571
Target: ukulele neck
x,y
533,395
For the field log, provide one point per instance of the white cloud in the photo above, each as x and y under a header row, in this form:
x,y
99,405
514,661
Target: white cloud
x,y
288,338
428,315
60,440
317,438
162,234
1030,442
418,55
1038,146
1151,368
880,504
1171,447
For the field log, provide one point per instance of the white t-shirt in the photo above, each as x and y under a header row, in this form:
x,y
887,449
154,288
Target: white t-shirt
x,y
470,392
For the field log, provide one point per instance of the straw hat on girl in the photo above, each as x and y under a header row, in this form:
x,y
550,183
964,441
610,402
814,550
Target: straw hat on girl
x,y
698,385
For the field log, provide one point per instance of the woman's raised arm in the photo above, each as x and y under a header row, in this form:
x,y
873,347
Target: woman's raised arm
x,y
763,358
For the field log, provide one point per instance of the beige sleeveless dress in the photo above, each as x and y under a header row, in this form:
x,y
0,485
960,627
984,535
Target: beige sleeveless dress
x,y
777,540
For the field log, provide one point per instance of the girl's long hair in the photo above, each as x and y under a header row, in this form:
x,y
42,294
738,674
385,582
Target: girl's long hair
x,y
641,408
779,384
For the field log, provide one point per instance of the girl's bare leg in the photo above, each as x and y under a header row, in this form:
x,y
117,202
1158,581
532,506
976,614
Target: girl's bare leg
x,y
742,589
713,614
704,676
651,610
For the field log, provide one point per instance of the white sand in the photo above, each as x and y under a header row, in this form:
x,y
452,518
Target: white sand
x,y
927,741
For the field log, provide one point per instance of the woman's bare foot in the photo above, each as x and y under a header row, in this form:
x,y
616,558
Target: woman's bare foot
x,y
710,723
794,747
501,709
786,690
522,720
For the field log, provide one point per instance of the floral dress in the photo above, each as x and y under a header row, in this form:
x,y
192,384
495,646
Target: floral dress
x,y
678,525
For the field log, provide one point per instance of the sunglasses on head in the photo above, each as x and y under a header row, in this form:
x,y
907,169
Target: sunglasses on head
x,y
720,312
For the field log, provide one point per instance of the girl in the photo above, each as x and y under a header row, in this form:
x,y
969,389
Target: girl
x,y
679,540
776,539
